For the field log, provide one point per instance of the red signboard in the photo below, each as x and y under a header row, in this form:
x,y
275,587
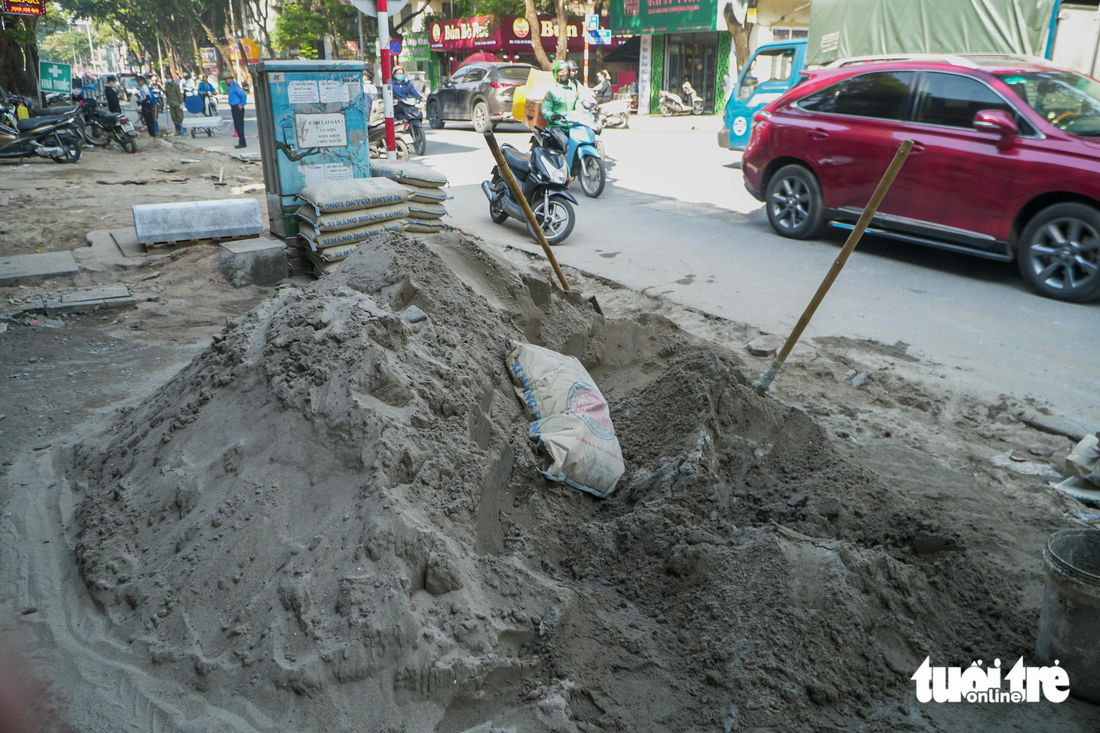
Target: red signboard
x,y
506,33
25,7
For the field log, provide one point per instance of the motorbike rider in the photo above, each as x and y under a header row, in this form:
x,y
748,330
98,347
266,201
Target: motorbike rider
x,y
602,90
561,98
187,85
402,88
206,91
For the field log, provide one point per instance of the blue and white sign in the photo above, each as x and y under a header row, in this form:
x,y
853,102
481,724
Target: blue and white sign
x,y
600,37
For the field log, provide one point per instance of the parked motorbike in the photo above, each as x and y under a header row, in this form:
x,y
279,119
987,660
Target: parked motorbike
x,y
117,127
543,177
47,137
672,104
583,155
409,112
615,113
376,137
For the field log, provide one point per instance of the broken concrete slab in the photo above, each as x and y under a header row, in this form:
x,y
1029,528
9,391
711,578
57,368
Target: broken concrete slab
x,y
37,266
127,242
82,300
257,261
187,221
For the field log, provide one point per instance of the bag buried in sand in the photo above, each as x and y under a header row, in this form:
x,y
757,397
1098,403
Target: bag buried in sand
x,y
569,418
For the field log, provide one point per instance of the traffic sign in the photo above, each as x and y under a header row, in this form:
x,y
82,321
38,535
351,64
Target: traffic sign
x,y
395,47
592,22
600,37
54,77
368,7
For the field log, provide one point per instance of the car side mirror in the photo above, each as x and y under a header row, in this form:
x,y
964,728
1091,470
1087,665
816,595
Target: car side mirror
x,y
996,121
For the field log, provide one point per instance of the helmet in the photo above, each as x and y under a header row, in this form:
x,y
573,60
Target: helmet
x,y
558,66
370,73
186,75
397,70
571,65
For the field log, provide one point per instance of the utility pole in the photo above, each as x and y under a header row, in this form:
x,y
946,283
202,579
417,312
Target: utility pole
x,y
160,62
360,18
387,90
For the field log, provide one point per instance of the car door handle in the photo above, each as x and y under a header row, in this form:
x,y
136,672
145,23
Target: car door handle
x,y
917,148
817,134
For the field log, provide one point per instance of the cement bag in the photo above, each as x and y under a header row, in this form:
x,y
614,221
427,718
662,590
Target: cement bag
x,y
354,193
353,218
411,174
418,210
426,195
323,240
424,226
1082,474
320,266
569,418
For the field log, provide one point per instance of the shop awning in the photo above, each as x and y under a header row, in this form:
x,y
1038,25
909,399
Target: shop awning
x,y
628,52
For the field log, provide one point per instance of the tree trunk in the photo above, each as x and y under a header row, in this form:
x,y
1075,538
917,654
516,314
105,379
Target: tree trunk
x,y
532,17
740,35
562,51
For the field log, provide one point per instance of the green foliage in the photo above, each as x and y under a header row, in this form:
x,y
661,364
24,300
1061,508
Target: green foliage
x,y
63,44
297,26
467,8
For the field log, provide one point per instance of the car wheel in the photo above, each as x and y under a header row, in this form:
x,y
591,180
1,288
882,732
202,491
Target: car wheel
x,y
480,117
435,116
1059,252
794,203
555,217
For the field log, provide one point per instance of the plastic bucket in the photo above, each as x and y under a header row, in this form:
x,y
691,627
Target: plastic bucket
x,y
1069,621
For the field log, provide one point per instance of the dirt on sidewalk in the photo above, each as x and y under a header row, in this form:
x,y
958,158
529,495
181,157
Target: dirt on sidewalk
x,y
292,508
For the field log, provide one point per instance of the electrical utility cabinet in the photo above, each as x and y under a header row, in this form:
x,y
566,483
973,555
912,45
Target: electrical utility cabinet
x,y
312,118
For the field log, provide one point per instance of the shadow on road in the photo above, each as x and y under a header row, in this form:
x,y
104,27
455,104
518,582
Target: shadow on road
x,y
439,148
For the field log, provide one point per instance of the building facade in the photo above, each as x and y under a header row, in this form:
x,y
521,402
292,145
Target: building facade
x,y
688,40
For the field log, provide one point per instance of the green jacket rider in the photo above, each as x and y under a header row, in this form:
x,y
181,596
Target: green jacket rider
x,y
561,98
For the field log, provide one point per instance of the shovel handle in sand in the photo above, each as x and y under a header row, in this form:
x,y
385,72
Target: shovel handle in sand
x,y
853,239
510,179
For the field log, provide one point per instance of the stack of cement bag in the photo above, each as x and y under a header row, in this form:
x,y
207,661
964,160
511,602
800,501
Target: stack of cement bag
x,y
337,215
426,195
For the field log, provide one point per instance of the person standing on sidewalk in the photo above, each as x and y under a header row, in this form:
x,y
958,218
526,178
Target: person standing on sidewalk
x,y
112,96
174,96
147,104
237,101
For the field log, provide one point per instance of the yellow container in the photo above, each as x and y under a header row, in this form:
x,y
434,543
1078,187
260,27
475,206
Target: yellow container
x,y
527,100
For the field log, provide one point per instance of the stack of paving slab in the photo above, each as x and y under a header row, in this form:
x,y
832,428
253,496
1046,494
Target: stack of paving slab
x,y
337,215
426,194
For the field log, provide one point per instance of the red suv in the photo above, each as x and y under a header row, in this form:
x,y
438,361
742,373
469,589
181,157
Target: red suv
x,y
1006,163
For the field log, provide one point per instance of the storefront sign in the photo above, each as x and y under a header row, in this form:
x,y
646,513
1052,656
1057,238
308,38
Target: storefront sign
x,y
54,77
251,49
416,47
465,34
645,62
507,33
663,16
209,56
25,7
321,131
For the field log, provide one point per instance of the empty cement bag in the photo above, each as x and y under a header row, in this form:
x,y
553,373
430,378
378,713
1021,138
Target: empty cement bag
x,y
424,226
412,174
426,195
355,193
426,211
569,418
351,219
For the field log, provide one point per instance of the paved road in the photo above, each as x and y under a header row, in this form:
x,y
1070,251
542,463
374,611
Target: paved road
x,y
675,220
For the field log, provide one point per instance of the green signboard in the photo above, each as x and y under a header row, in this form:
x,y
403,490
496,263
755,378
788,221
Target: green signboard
x,y
663,16
54,78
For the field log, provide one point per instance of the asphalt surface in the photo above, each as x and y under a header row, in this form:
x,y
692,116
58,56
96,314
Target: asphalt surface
x,y
676,221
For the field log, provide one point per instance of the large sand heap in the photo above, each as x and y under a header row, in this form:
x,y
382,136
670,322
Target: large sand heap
x,y
333,520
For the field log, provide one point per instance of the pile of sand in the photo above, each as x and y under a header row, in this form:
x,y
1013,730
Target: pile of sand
x,y
333,519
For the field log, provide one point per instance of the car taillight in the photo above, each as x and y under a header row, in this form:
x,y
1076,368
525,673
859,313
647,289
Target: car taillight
x,y
761,116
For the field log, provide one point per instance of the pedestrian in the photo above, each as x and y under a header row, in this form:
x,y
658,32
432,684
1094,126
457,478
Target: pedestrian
x,y
147,104
237,101
112,96
174,96
370,92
